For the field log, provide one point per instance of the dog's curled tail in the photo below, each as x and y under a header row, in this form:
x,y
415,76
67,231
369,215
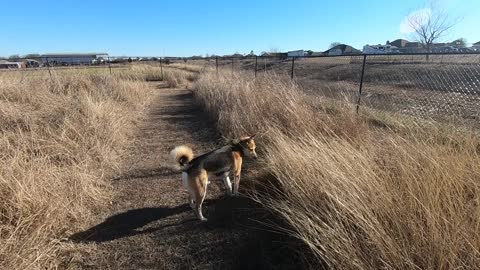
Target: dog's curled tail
x,y
182,155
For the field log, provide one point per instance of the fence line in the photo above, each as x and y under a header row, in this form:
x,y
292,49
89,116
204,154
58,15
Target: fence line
x,y
424,84
420,84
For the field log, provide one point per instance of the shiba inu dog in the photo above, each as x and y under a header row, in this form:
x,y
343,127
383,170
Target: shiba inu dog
x,y
220,162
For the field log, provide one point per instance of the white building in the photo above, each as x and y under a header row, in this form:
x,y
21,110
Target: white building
x,y
378,49
4,64
298,53
72,58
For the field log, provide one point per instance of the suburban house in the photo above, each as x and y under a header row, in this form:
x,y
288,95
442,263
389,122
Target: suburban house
x,y
5,64
72,58
279,55
476,46
399,43
297,53
342,49
405,46
379,49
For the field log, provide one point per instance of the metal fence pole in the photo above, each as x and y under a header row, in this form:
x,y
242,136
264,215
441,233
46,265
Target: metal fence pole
x,y
216,64
265,64
256,63
293,67
109,65
48,67
361,82
161,68
232,64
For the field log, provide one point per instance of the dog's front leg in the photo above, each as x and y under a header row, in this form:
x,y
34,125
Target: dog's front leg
x,y
227,183
236,184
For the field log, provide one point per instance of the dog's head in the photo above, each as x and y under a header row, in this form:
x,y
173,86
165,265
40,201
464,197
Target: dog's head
x,y
248,143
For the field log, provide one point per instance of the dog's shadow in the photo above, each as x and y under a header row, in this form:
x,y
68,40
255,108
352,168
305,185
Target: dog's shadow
x,y
127,224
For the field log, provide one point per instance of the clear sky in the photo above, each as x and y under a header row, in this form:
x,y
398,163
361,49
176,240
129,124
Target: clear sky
x,y
191,27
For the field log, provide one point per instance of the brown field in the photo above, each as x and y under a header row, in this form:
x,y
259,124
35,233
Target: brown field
x,y
368,191
85,181
62,139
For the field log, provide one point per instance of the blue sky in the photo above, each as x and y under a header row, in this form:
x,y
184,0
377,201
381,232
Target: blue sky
x,y
183,28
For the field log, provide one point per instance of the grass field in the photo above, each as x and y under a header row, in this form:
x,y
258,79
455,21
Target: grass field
x,y
368,191
62,139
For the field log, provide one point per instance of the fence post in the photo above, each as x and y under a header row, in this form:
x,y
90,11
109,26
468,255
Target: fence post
x,y
293,67
48,67
161,68
232,64
256,62
361,82
265,64
109,65
216,64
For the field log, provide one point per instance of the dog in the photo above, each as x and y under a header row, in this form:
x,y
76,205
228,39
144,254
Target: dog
x,y
221,162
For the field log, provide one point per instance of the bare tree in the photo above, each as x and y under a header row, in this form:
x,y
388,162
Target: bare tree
x,y
333,44
430,25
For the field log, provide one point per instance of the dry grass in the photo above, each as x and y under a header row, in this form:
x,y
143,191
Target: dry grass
x,y
60,139
363,192
192,67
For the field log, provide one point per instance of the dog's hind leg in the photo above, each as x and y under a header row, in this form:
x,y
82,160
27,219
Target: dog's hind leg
x,y
227,183
201,182
189,188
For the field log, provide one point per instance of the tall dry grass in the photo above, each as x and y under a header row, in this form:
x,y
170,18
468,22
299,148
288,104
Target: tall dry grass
x,y
60,139
365,191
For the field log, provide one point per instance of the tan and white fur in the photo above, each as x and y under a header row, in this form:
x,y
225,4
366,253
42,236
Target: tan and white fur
x,y
221,162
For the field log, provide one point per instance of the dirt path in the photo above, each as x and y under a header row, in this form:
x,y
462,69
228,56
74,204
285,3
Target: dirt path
x,y
150,225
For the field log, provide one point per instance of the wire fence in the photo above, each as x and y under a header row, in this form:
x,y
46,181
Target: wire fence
x,y
439,86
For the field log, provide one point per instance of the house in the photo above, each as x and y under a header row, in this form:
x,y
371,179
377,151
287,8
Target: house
x,y
71,58
5,64
317,54
412,47
476,46
379,49
342,49
399,43
297,53
279,55
31,63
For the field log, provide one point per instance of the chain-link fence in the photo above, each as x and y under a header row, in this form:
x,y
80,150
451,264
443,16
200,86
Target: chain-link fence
x,y
443,87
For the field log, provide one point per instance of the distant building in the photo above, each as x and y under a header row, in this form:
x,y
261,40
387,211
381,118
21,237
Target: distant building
x,y
297,53
317,54
399,43
405,46
279,55
31,63
72,59
5,64
379,49
342,49
476,46
413,47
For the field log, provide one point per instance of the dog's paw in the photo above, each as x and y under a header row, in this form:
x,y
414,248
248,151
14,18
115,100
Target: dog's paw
x,y
203,219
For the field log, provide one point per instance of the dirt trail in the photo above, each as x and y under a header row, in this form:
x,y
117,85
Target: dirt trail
x,y
150,226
